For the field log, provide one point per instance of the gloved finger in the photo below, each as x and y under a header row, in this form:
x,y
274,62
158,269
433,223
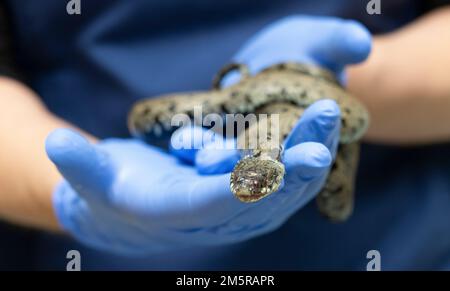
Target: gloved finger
x,y
319,123
217,157
304,163
210,152
186,141
88,169
347,42
304,177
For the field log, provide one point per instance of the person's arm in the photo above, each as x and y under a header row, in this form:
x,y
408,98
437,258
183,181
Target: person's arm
x,y
406,82
27,177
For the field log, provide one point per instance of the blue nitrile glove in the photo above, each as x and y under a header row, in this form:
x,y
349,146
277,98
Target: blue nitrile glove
x,y
329,42
130,198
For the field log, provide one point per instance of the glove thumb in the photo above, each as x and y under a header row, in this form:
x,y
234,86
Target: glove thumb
x,y
348,42
87,169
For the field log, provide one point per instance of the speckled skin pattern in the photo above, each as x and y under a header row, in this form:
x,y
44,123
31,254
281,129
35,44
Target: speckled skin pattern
x,y
285,89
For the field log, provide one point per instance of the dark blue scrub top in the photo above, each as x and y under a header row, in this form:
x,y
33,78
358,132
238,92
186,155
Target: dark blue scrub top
x,y
89,68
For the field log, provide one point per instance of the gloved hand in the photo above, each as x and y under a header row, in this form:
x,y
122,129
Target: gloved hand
x,y
130,198
329,42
